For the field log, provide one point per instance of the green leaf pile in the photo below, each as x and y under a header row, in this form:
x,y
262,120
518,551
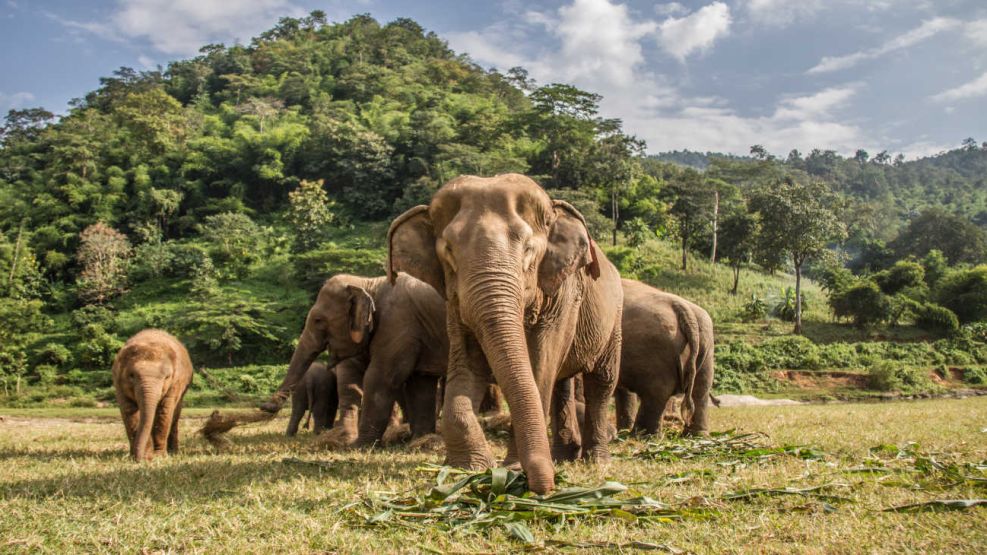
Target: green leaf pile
x,y
500,497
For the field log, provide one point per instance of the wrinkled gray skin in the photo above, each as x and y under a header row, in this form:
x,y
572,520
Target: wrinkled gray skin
x,y
315,394
668,349
529,298
151,373
386,339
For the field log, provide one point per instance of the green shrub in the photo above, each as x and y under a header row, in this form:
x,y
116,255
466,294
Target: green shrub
x,y
965,293
935,318
975,375
88,379
313,268
45,374
739,357
903,275
863,301
893,376
726,380
185,259
53,354
791,353
754,310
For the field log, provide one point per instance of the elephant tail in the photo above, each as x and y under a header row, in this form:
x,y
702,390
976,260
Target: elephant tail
x,y
689,326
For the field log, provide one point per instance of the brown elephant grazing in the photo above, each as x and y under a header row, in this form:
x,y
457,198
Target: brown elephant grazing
x,y
385,339
151,374
315,394
529,298
667,350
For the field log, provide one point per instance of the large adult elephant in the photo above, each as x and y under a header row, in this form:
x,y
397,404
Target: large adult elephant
x,y
668,349
529,297
385,338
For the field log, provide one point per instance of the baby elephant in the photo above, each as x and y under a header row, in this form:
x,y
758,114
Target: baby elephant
x,y
316,393
151,374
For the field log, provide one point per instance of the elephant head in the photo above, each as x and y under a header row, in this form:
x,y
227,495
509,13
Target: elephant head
x,y
341,321
496,249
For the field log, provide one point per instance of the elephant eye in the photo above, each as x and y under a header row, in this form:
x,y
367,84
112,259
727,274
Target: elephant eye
x,y
528,259
449,257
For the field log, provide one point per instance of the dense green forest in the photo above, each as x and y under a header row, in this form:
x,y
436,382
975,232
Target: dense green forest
x,y
212,197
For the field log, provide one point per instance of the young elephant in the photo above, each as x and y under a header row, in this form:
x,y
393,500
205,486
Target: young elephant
x,y
316,394
384,338
151,374
668,349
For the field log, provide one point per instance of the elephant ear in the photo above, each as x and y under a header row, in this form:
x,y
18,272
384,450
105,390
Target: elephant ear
x,y
361,313
569,249
411,249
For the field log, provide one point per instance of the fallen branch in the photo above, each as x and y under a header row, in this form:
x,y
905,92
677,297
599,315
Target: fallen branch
x,y
218,424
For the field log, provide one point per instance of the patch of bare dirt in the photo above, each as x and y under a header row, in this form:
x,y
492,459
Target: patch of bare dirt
x,y
822,380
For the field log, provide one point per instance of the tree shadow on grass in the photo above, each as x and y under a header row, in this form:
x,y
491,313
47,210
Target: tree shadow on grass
x,y
176,480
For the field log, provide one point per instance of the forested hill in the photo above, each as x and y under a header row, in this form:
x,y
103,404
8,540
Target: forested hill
x,y
955,180
381,114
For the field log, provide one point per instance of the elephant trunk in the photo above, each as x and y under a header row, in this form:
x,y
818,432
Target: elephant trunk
x,y
306,352
150,396
498,326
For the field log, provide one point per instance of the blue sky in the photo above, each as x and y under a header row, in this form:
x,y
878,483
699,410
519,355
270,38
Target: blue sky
x,y
903,75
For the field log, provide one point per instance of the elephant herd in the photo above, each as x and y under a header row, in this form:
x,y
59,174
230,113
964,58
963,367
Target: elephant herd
x,y
493,282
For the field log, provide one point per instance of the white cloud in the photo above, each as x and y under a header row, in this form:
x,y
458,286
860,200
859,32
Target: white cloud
x,y
14,101
926,30
147,62
782,12
671,8
600,39
694,32
815,105
973,89
976,32
183,26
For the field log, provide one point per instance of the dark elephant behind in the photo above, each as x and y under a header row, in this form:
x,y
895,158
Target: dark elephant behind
x,y
667,350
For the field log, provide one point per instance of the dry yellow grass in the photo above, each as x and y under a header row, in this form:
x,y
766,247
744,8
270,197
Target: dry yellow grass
x,y
67,486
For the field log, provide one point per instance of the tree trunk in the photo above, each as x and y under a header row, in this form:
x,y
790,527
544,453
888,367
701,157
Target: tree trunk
x,y
798,296
685,243
614,211
17,255
716,218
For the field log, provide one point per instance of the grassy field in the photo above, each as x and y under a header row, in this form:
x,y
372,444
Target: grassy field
x,y
67,486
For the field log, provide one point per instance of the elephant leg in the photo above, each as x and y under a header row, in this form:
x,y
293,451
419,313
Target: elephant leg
x,y
319,412
131,416
599,385
627,403
383,385
332,401
162,423
648,420
421,390
493,401
466,445
566,435
173,433
699,424
349,383
299,404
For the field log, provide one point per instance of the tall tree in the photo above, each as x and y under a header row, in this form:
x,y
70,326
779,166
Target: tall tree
x,y
692,206
797,218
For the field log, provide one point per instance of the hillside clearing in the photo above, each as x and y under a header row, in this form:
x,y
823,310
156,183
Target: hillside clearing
x,y
68,486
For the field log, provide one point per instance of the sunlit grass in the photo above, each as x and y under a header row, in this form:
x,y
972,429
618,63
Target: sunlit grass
x,y
68,486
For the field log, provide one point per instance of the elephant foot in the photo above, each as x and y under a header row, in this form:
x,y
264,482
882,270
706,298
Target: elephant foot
x,y
337,439
566,451
476,461
496,423
599,455
428,443
695,432
396,434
